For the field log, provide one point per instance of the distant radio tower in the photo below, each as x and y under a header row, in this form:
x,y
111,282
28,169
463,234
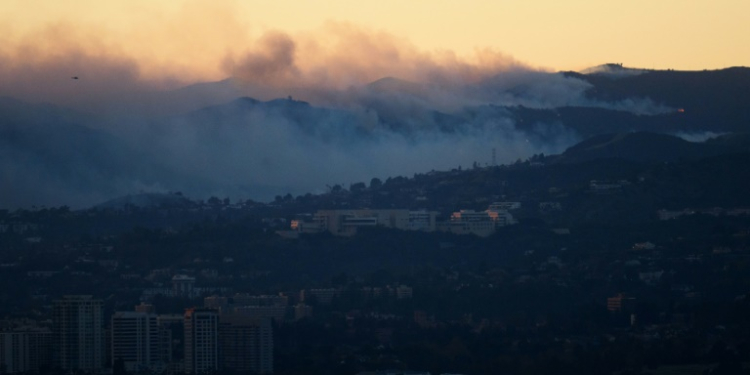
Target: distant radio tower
x,y
494,157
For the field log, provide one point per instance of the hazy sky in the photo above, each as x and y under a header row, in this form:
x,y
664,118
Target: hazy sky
x,y
187,40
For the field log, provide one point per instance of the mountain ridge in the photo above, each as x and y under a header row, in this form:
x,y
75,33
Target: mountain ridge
x,y
245,145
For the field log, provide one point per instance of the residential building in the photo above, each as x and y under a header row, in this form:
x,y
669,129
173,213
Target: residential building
x,y
25,350
171,342
256,306
423,220
302,311
146,308
404,292
78,336
322,296
135,340
201,340
507,206
347,222
480,223
246,344
183,285
621,303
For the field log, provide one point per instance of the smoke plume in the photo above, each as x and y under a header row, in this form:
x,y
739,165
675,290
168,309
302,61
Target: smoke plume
x,y
155,109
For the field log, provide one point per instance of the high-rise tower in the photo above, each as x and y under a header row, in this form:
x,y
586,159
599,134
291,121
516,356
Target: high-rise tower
x,y
246,344
77,333
135,340
201,340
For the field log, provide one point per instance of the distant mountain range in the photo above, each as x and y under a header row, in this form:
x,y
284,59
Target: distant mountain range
x,y
242,147
712,100
645,146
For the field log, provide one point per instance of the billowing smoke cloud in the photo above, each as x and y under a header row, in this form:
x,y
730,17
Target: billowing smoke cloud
x,y
336,65
121,72
271,63
379,107
288,146
536,89
339,56
244,149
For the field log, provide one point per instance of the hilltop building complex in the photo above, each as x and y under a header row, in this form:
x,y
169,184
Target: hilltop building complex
x,y
347,222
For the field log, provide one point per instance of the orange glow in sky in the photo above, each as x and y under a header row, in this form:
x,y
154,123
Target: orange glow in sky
x,y
200,40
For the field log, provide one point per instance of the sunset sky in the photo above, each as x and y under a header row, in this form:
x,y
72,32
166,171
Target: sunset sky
x,y
201,40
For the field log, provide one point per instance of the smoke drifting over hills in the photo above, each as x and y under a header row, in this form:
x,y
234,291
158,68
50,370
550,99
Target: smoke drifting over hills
x,y
378,107
205,43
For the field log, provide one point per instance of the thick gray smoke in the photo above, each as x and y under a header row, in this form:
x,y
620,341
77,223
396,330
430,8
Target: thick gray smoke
x,y
378,107
286,146
249,149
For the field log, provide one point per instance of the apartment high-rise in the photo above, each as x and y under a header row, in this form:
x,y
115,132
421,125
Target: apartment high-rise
x,y
255,306
201,340
77,333
25,350
183,285
171,342
135,340
246,344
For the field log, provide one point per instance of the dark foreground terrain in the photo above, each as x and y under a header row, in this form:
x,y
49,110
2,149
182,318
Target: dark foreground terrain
x,y
629,265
